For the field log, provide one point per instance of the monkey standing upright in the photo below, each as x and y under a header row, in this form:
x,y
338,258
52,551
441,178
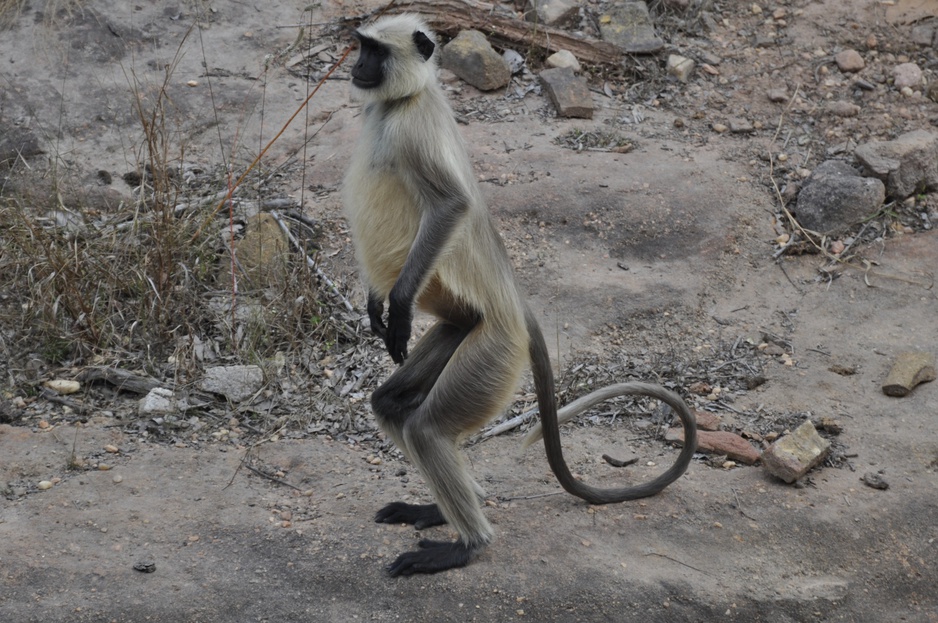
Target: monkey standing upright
x,y
424,239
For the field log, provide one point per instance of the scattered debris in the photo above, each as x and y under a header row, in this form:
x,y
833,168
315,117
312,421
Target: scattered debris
x,y
793,455
910,369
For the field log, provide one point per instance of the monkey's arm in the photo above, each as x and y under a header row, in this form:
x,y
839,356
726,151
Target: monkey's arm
x,y
375,313
443,202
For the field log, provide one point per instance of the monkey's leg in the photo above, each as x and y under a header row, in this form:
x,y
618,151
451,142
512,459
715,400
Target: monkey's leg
x,y
475,386
400,396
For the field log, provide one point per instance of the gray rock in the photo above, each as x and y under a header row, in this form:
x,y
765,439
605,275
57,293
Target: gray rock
x,y
551,12
471,57
907,75
907,165
629,26
16,142
568,92
233,382
160,401
515,61
925,34
740,126
792,456
835,197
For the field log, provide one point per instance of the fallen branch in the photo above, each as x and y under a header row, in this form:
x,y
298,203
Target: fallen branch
x,y
451,16
122,379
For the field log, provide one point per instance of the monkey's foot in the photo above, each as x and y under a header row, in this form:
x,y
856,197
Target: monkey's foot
x,y
432,557
419,515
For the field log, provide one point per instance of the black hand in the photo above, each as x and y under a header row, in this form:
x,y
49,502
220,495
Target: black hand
x,y
375,313
400,318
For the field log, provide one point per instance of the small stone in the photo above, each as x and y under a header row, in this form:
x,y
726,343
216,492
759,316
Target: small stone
x,y
849,61
117,479
740,126
563,58
193,83
719,128
907,75
515,61
554,13
909,370
159,401
568,92
680,67
112,449
841,108
235,383
777,95
145,566
62,386
44,484
874,480
830,425
835,197
792,456
837,247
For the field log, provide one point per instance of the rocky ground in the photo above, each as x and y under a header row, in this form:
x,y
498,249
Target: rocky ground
x,y
665,238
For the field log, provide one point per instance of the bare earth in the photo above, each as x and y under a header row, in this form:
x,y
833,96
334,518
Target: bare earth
x,y
688,212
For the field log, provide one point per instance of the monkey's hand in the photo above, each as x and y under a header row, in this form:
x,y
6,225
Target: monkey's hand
x,y
400,317
375,315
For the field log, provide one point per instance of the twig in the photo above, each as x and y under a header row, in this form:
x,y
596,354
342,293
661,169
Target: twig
x,y
739,506
272,478
51,396
530,497
310,261
511,424
619,462
672,559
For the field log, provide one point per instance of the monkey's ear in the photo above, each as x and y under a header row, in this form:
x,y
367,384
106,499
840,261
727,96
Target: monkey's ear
x,y
424,45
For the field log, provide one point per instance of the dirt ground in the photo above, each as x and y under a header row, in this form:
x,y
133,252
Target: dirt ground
x,y
666,248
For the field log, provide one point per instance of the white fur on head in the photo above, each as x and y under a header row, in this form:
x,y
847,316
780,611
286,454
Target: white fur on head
x,y
406,71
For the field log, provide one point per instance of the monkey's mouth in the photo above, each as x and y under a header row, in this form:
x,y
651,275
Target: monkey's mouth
x,y
364,84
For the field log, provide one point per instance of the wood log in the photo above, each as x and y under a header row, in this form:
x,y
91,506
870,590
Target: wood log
x,y
503,28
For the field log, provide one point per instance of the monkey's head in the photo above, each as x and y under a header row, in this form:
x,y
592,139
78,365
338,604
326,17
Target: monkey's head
x,y
396,58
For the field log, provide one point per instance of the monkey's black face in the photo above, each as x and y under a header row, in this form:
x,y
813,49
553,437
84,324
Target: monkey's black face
x,y
368,72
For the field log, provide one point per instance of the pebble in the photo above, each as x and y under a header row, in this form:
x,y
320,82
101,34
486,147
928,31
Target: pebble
x,y
193,83
843,109
62,386
849,61
111,449
777,95
719,128
907,75
44,484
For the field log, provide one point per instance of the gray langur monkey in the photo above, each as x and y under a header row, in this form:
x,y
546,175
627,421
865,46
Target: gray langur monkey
x,y
425,240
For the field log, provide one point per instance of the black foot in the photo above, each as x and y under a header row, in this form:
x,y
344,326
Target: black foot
x,y
418,515
433,556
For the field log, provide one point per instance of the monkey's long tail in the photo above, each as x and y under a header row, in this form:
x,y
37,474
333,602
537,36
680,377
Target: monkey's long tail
x,y
551,420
